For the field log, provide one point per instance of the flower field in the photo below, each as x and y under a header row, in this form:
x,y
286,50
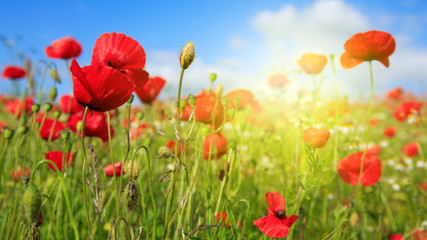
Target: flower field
x,y
114,161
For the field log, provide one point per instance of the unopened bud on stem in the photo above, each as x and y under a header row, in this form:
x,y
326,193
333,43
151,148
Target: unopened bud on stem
x,y
187,55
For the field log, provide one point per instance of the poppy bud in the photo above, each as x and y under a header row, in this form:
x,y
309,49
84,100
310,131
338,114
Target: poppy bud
x,y
130,196
121,231
65,135
213,77
233,145
56,115
131,99
165,152
354,219
35,108
218,91
231,112
8,133
187,55
54,75
236,102
47,107
134,170
182,105
22,130
191,100
32,202
224,102
332,57
140,116
204,130
52,94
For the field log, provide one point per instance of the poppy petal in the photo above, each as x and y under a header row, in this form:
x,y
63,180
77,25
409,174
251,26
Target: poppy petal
x,y
272,227
348,62
276,202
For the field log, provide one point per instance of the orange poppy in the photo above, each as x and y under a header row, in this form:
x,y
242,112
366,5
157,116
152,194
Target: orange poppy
x,y
368,46
205,110
317,137
278,80
312,63
245,97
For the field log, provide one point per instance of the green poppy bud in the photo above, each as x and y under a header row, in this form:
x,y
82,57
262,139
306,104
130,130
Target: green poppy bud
x,y
218,91
52,94
54,75
191,100
8,133
35,108
236,102
231,112
56,115
22,130
187,55
65,135
139,116
165,152
130,196
212,77
32,202
47,107
224,102
121,230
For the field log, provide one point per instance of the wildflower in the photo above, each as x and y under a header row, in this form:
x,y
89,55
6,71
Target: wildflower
x,y
109,170
208,110
224,216
395,237
406,109
13,72
46,130
245,97
149,92
368,46
19,173
312,63
411,149
16,104
276,224
395,94
390,131
349,169
278,80
64,48
95,125
115,72
317,137
215,146
56,157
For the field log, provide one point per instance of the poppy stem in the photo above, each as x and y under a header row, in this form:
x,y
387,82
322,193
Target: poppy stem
x,y
368,138
42,81
84,170
178,117
114,167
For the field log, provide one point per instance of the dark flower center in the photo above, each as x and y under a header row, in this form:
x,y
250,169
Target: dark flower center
x,y
281,214
111,65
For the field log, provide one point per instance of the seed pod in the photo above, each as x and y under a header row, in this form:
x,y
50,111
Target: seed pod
x,y
8,133
140,116
35,108
32,202
191,100
165,152
56,115
212,77
22,130
47,107
218,91
130,196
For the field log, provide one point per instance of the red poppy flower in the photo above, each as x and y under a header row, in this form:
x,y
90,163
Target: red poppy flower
x,y
109,170
375,150
390,131
64,48
46,129
205,110
256,106
368,46
56,157
395,237
13,105
317,137
419,235
115,72
149,92
405,109
219,146
223,216
13,72
69,104
171,144
95,125
312,63
423,186
278,80
18,174
245,97
411,149
276,224
395,94
349,169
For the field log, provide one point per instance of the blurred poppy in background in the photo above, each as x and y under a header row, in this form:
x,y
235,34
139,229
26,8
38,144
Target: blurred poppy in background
x,y
390,131
244,97
349,169
13,72
411,149
149,92
317,137
278,80
96,125
56,157
312,63
64,48
16,104
405,109
109,170
215,145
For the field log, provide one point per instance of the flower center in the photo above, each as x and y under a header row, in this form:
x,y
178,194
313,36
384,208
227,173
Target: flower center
x,y
281,214
111,65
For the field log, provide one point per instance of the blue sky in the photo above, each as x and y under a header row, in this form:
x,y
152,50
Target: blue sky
x,y
242,41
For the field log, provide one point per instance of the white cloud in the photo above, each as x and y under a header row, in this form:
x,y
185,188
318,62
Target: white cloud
x,y
237,42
